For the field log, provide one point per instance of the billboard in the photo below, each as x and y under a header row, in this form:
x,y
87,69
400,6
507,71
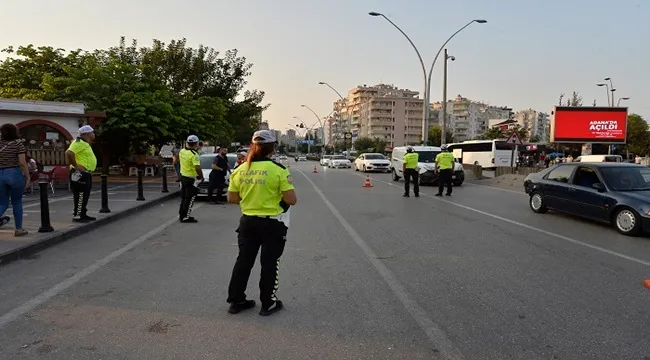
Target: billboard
x,y
587,124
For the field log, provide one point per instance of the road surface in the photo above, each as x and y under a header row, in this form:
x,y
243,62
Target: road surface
x,y
366,274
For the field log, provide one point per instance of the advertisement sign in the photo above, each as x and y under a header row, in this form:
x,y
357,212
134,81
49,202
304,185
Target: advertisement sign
x,y
586,124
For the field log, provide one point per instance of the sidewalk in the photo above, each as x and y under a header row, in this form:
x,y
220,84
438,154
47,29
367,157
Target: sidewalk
x,y
121,201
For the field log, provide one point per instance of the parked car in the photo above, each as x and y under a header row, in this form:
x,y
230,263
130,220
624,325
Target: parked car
x,y
372,162
325,160
426,163
206,166
339,161
610,192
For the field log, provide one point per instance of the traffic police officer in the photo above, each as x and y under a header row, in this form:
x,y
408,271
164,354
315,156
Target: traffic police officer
x,y
190,173
83,162
445,165
410,169
264,191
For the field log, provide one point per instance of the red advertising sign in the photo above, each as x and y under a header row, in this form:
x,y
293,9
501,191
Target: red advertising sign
x,y
577,124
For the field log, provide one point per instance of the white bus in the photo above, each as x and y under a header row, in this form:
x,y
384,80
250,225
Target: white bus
x,y
487,153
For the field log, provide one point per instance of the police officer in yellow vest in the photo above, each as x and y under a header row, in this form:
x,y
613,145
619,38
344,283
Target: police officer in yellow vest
x,y
264,191
410,169
82,163
445,166
190,173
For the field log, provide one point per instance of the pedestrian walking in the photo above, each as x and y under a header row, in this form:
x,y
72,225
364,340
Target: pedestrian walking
x,y
264,190
14,176
82,163
191,176
217,179
411,172
445,166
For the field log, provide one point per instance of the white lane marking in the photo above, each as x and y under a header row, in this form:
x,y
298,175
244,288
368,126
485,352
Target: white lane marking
x,y
529,227
69,282
437,337
495,188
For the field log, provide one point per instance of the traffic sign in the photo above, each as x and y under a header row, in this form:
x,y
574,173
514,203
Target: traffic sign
x,y
348,135
514,139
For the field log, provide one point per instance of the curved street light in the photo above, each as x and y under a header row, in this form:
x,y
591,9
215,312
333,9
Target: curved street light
x,y
611,88
343,100
618,103
607,92
427,77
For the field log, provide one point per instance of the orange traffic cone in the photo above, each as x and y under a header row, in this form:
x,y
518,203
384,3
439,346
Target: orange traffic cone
x,y
315,169
367,183
646,283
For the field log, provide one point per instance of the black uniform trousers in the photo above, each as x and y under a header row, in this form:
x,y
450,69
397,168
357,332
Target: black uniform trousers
x,y
444,178
414,176
255,232
217,181
188,195
81,193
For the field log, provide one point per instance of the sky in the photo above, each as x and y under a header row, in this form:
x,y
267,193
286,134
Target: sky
x,y
525,56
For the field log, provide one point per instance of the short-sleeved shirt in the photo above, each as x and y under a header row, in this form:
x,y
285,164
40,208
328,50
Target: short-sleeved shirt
x,y
222,163
260,186
189,160
83,154
445,160
9,151
411,160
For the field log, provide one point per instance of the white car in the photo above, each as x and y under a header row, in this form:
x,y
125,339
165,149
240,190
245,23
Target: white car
x,y
325,160
426,163
339,161
372,162
206,166
302,158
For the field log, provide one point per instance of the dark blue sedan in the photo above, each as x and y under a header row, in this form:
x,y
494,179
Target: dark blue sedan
x,y
613,193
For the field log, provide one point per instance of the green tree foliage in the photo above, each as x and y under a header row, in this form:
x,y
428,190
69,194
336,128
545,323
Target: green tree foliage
x,y
496,133
638,135
368,144
435,135
152,95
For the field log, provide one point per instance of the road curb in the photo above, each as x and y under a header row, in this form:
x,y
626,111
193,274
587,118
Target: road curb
x,y
63,235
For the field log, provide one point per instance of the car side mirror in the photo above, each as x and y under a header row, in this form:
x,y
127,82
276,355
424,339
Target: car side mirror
x,y
599,186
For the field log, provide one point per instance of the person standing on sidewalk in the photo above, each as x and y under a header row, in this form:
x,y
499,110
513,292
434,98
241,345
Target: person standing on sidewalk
x,y
82,163
217,178
445,164
264,191
14,176
410,170
190,173
176,162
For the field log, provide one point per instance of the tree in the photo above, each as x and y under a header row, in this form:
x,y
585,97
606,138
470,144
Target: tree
x,y
435,134
152,95
365,144
492,133
575,100
638,137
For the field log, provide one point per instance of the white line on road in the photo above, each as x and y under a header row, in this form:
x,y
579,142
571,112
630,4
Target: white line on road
x,y
433,331
529,227
38,203
69,282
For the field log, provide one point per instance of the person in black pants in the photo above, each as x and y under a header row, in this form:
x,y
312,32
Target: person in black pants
x,y
190,172
80,194
217,179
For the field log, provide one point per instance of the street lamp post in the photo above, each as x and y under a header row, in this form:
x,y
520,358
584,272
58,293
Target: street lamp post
x,y
443,137
343,101
427,77
618,103
607,92
611,88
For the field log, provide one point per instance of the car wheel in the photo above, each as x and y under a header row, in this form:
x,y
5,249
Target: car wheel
x,y
458,183
395,177
537,204
627,221
356,168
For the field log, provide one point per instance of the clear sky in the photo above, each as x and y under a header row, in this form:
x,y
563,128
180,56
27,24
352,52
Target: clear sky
x,y
528,53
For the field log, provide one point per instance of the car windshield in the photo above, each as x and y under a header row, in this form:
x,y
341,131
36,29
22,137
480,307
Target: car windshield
x,y
338,157
206,160
427,156
375,157
629,178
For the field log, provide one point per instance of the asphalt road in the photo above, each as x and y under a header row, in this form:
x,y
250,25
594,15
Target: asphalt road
x,y
366,274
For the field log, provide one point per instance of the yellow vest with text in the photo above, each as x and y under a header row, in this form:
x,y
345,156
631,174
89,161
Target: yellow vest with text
x,y
260,186
445,160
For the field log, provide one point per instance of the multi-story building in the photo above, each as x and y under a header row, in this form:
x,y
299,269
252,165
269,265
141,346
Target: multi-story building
x,y
334,129
383,112
291,137
534,122
284,139
277,133
470,119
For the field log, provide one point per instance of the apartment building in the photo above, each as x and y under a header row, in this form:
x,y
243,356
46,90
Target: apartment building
x,y
469,119
291,137
536,123
383,112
